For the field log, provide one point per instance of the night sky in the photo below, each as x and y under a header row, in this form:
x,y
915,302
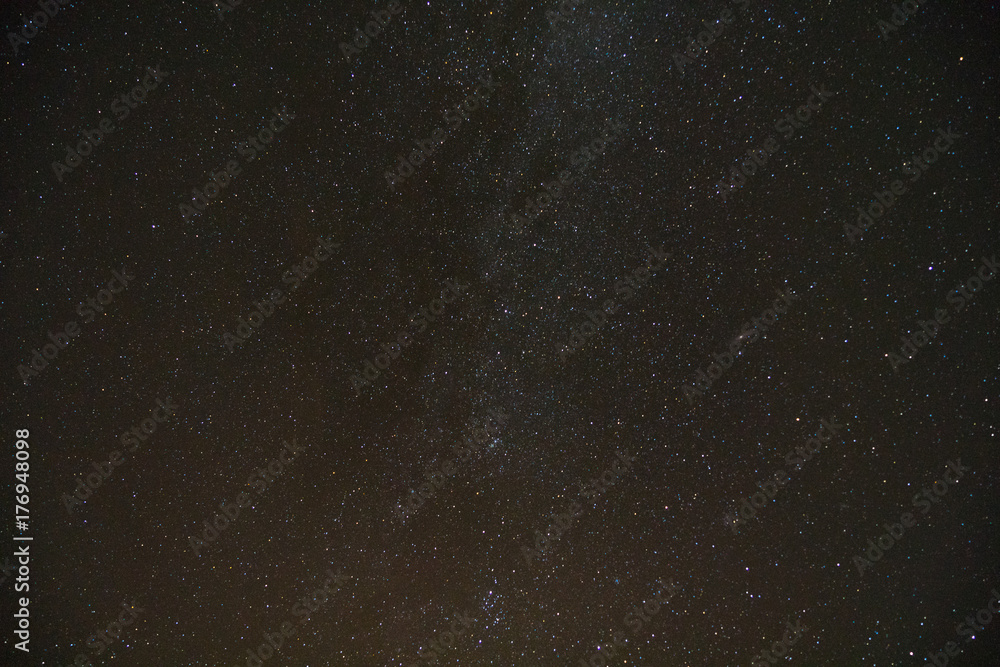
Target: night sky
x,y
637,361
